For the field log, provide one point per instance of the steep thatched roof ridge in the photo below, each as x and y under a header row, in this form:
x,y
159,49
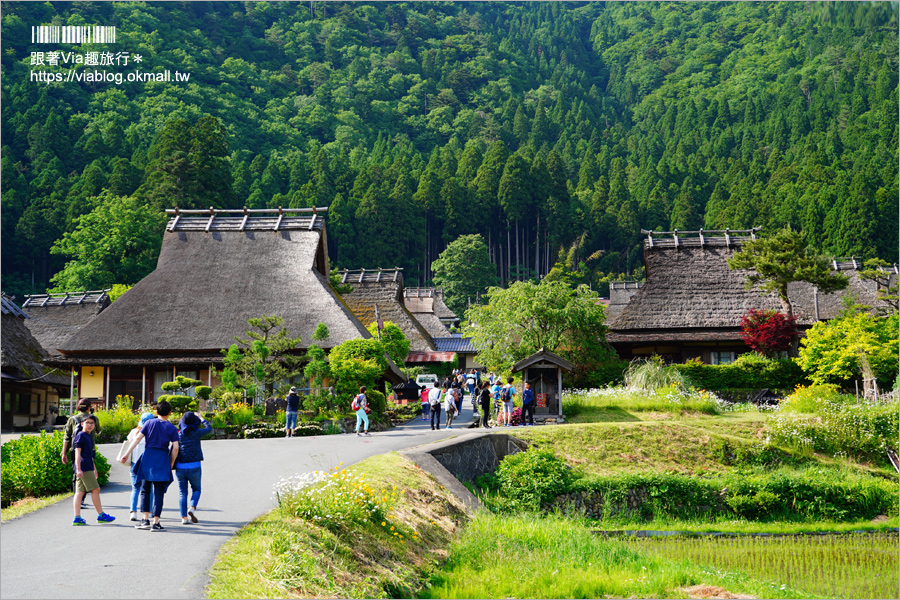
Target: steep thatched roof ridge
x,y
433,325
56,317
386,294
21,354
207,284
442,311
355,276
421,302
691,287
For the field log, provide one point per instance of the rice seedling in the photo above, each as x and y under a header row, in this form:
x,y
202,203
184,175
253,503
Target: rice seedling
x,y
834,566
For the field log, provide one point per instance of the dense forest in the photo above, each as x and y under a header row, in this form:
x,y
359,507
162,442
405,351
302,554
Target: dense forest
x,y
555,130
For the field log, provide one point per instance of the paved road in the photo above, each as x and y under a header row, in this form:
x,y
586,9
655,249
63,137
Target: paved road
x,y
43,556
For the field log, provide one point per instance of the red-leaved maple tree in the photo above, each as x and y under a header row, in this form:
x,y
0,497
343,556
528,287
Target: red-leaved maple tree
x,y
768,332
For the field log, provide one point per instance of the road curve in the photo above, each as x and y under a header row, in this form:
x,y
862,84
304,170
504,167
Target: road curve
x,y
43,556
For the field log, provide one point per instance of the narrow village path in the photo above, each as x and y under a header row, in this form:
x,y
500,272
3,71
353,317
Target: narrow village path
x,y
43,556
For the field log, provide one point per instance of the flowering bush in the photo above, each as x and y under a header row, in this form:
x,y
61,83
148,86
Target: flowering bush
x,y
768,332
116,422
334,498
835,424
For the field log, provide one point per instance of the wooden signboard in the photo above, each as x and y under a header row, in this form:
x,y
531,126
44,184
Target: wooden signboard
x,y
542,400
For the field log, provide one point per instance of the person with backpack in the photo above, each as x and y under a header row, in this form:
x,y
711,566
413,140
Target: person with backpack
x,y
506,397
450,402
470,383
362,408
434,399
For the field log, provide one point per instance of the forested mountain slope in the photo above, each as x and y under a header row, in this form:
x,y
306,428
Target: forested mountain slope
x,y
537,125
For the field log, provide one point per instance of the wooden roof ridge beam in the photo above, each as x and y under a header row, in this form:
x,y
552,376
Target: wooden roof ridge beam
x,y
212,215
241,211
751,232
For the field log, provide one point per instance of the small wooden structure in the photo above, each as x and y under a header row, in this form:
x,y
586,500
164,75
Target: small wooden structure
x,y
544,371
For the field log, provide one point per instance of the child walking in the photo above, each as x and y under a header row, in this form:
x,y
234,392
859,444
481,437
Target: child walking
x,y
361,408
86,473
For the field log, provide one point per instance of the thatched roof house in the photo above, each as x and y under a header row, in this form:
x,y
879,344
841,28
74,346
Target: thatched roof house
x,y
216,269
31,391
383,288
692,302
427,304
54,318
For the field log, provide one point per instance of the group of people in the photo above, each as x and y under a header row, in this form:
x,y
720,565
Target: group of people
x,y
449,392
154,448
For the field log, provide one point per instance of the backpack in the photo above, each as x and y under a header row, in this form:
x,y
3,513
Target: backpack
x,y
355,404
505,395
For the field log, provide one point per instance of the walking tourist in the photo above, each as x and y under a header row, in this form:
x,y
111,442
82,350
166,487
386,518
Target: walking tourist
x,y
485,397
423,396
362,408
132,460
450,405
291,410
434,399
156,463
506,397
86,473
188,469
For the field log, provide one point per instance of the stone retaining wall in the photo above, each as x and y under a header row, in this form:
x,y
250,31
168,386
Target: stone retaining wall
x,y
463,459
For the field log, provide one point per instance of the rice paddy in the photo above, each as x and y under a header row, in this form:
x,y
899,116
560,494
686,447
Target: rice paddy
x,y
831,566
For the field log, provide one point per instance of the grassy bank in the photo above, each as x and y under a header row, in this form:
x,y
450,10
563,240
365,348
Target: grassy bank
x,y
299,550
30,504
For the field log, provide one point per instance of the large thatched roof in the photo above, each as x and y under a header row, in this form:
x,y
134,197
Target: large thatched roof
x,y
55,317
20,353
692,295
214,272
384,288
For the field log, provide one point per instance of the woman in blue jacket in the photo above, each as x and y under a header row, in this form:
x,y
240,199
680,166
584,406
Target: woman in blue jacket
x,y
187,467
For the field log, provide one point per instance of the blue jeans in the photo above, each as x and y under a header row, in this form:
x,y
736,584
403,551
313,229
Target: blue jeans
x,y
136,492
191,476
291,421
426,410
436,417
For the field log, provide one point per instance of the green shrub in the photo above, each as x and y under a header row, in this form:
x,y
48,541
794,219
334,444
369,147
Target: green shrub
x,y
813,399
534,477
116,422
32,467
604,374
750,370
179,403
377,401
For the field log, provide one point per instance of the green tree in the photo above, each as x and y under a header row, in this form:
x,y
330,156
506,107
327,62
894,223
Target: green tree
x,y
517,322
117,242
394,341
784,258
464,271
266,358
831,351
355,363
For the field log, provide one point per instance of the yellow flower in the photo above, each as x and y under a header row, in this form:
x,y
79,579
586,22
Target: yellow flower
x,y
392,527
383,523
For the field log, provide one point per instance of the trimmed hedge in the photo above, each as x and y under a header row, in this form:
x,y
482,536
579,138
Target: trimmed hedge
x,y
32,467
746,372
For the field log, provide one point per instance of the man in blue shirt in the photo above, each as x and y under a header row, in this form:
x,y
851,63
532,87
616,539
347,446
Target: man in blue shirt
x,y
528,405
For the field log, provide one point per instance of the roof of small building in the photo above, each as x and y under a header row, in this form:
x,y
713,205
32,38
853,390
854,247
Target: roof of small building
x,y
56,317
455,344
20,353
543,355
421,303
214,272
383,288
